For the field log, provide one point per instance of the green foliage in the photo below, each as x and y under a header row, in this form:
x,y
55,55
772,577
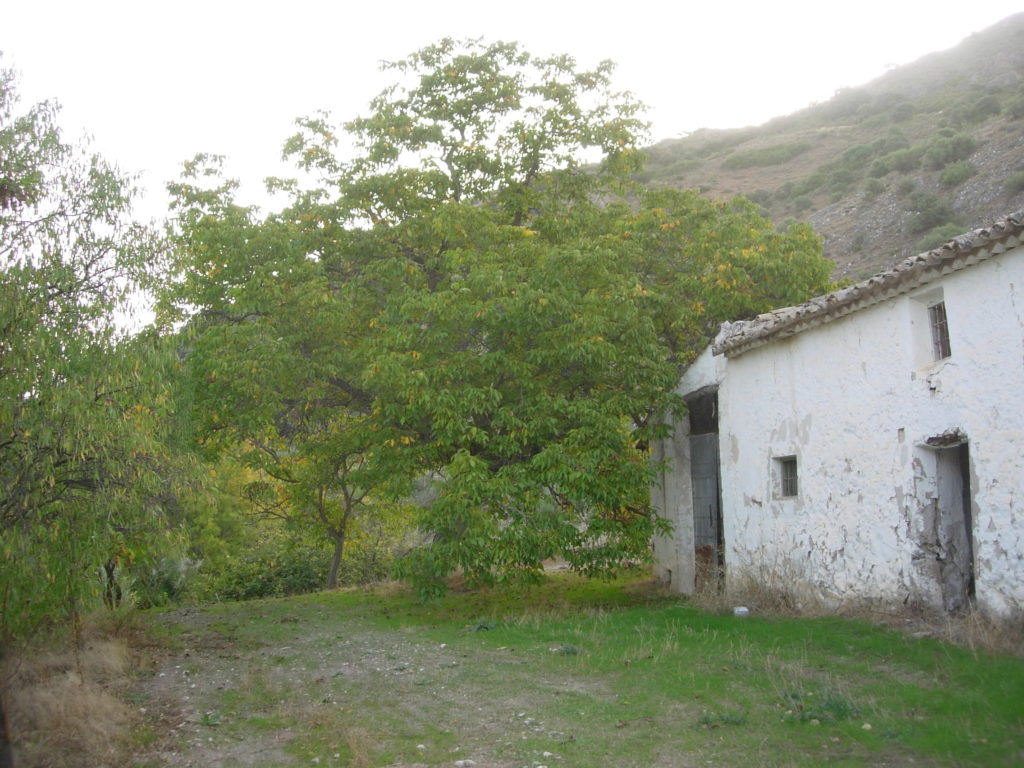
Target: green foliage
x,y
945,150
1015,183
1015,107
928,209
982,108
873,188
901,161
955,174
784,689
478,323
939,235
86,471
268,571
761,157
903,112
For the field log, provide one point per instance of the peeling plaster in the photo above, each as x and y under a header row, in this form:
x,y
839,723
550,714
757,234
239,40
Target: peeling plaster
x,y
847,394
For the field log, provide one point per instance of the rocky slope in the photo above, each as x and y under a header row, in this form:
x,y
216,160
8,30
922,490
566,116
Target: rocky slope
x,y
884,170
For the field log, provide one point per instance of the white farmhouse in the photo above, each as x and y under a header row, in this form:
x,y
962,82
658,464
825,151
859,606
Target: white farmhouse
x,y
868,444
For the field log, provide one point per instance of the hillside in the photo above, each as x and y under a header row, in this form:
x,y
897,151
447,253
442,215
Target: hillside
x,y
884,170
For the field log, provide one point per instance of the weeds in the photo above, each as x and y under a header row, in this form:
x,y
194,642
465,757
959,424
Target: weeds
x,y
590,674
717,719
61,702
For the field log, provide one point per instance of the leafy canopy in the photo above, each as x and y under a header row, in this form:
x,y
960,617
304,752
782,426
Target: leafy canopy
x,y
84,461
475,301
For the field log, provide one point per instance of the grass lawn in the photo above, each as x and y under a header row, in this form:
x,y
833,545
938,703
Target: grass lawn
x,y
571,673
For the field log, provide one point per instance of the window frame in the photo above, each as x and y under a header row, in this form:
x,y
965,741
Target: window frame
x,y
788,474
938,322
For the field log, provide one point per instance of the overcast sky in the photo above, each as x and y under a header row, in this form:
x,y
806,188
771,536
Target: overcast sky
x,y
155,82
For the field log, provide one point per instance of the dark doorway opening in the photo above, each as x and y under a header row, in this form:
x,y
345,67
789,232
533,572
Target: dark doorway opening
x,y
709,544
954,526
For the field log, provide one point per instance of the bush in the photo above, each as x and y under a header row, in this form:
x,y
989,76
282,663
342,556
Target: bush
x,y
929,211
984,108
1015,108
878,169
1015,183
873,188
858,156
906,187
938,236
276,570
160,583
955,174
903,160
942,151
903,112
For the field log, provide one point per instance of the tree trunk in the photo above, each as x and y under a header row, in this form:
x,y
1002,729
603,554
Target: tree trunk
x,y
6,753
332,574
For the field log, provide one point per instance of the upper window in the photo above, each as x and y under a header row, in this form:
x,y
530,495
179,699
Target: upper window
x,y
930,330
940,330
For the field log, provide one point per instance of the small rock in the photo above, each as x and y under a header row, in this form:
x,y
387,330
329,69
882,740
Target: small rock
x,y
866,727
421,747
465,763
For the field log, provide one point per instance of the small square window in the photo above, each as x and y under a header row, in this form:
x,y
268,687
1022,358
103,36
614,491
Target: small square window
x,y
789,484
940,330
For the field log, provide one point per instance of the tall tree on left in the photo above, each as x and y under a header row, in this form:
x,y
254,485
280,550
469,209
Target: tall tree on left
x,y
83,468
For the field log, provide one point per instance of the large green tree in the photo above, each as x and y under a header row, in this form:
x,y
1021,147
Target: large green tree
x,y
483,299
84,464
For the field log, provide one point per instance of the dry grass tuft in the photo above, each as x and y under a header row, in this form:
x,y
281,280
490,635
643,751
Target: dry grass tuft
x,y
61,707
974,630
780,591
784,591
361,746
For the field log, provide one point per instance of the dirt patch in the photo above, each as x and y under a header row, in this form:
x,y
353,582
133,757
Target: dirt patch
x,y
228,698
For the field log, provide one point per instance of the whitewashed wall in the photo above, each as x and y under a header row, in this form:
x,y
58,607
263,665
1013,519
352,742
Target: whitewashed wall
x,y
855,400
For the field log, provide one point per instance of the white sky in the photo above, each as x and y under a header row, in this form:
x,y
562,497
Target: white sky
x,y
154,82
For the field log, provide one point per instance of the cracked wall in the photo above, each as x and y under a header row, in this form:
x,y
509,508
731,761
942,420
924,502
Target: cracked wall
x,y
856,402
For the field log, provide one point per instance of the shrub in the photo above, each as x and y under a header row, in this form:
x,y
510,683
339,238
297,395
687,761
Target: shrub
x,y
903,160
859,239
984,108
801,204
903,112
939,235
858,156
161,583
942,151
873,188
929,211
276,570
878,169
906,186
890,142
1015,183
1015,109
955,174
